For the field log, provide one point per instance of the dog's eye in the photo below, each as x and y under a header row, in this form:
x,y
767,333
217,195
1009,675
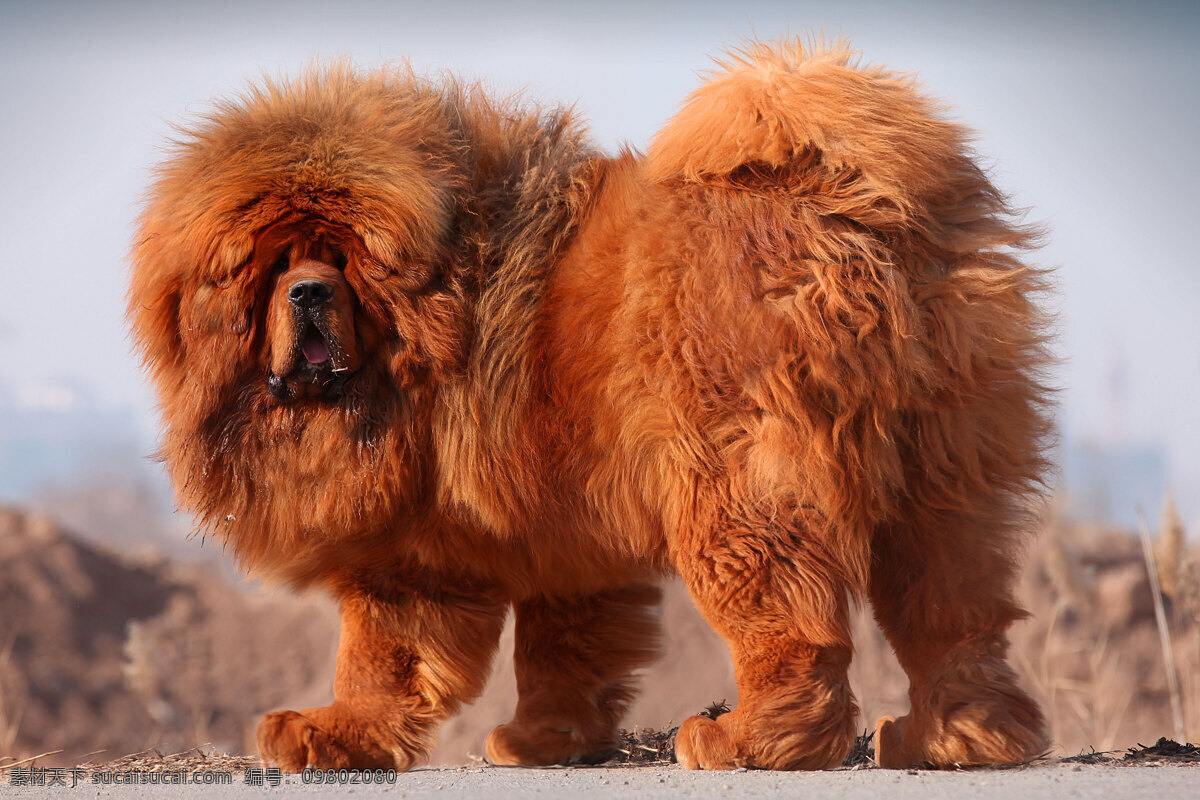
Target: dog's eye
x,y
281,264
339,261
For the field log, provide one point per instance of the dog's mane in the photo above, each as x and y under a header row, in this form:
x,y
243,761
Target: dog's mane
x,y
532,173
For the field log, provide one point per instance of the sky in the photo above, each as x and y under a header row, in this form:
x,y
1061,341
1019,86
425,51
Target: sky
x,y
1086,114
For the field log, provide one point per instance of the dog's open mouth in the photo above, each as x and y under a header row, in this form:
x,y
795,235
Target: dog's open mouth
x,y
314,346
318,366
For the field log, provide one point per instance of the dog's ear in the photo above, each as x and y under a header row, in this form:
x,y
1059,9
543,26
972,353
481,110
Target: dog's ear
x,y
153,304
190,299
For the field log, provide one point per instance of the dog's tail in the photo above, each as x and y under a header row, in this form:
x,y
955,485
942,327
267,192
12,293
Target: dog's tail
x,y
774,104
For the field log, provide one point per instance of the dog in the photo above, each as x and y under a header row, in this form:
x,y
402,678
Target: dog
x,y
435,354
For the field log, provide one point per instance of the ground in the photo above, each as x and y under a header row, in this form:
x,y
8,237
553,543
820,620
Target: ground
x,y
1050,781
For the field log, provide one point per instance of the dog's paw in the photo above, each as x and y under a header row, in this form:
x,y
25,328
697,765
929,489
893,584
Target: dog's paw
x,y
890,752
736,740
973,735
293,742
703,743
514,745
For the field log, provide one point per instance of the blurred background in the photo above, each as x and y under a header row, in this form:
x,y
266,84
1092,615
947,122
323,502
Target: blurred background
x,y
1086,114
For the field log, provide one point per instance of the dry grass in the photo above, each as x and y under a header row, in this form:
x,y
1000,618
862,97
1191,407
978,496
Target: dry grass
x,y
1163,751
202,758
1105,641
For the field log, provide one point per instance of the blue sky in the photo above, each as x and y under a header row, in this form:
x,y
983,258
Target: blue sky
x,y
1087,114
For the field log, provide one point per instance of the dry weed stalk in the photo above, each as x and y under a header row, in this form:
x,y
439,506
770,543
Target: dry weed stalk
x,y
1164,632
31,760
1180,578
1176,571
10,719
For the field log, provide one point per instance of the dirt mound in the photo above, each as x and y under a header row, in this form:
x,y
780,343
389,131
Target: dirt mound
x,y
100,652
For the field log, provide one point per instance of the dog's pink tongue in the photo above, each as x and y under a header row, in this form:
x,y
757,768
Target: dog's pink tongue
x,y
316,350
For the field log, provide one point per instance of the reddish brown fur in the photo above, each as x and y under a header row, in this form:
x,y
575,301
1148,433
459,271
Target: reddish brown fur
x,y
789,353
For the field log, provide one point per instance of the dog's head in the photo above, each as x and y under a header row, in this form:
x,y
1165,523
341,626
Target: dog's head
x,y
299,296
299,243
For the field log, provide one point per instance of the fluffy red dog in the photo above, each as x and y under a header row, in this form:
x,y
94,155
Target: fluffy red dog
x,y
439,357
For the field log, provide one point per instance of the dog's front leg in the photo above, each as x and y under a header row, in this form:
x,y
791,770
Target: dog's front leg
x,y
407,660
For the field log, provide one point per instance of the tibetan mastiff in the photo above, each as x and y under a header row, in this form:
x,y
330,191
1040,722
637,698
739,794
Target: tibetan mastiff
x,y
439,356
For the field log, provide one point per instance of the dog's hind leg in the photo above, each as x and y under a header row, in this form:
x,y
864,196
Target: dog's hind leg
x,y
575,661
780,601
406,661
941,587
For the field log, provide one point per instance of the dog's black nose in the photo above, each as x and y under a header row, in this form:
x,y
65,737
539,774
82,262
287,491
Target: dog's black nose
x,y
310,293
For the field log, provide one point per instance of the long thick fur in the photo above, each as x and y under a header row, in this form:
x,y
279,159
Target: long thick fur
x,y
790,353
